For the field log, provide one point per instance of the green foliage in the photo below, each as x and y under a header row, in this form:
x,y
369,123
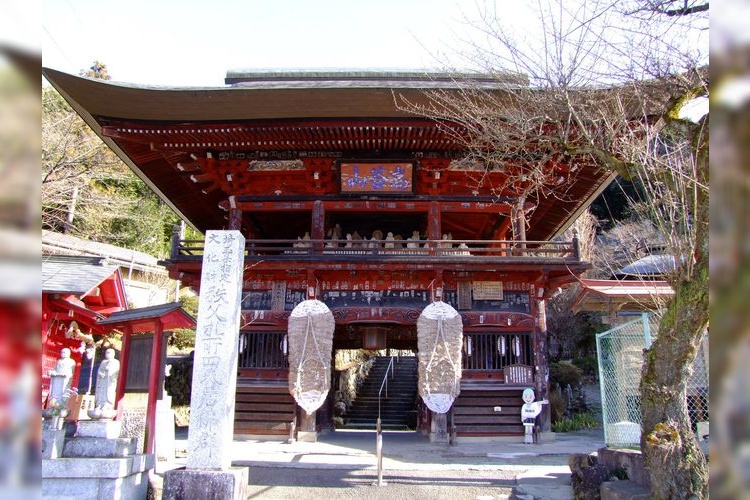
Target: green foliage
x,y
182,338
81,174
190,304
561,374
557,406
180,379
621,473
588,365
577,422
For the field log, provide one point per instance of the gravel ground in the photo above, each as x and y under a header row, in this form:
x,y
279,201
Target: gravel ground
x,y
278,483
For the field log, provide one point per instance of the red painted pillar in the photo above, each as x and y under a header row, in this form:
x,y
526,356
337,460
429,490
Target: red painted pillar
x,y
317,231
122,378
433,225
154,376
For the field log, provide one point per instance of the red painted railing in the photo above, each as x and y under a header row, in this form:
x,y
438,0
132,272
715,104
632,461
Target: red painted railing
x,y
284,249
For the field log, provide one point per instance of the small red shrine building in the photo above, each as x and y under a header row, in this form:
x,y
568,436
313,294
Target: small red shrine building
x,y
345,197
77,292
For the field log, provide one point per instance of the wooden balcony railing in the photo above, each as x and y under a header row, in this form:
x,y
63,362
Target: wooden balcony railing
x,y
282,249
496,351
262,350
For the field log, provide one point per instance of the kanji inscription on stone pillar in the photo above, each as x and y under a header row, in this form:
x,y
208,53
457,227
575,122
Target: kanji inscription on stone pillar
x,y
215,359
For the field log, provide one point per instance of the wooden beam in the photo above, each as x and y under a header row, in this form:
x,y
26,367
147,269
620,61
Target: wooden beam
x,y
127,332
153,386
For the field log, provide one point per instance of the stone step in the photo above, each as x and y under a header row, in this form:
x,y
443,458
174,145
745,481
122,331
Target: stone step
x,y
368,427
96,467
404,414
624,490
99,447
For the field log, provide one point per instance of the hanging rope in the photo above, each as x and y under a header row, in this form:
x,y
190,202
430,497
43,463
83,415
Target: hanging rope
x,y
439,339
310,344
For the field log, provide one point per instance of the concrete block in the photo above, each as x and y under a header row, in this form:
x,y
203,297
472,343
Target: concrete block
x,y
164,435
109,429
99,447
307,436
624,490
67,489
53,442
623,434
631,461
143,462
586,483
229,484
133,487
87,467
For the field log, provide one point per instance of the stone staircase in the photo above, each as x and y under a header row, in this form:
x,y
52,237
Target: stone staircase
x,y
397,411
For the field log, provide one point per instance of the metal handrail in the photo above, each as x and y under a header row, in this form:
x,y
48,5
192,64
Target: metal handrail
x,y
385,383
379,427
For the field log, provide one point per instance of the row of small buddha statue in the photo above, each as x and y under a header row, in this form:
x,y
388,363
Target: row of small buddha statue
x,y
355,240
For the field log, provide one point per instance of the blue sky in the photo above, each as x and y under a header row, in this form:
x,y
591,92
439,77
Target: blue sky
x,y
194,43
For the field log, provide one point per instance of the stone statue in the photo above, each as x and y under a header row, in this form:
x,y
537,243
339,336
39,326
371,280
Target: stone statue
x,y
59,390
389,240
106,387
413,239
64,367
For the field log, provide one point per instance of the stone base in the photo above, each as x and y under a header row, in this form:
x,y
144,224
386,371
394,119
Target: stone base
x,y
164,435
109,429
628,461
99,447
229,484
307,436
624,490
547,437
124,478
79,405
53,442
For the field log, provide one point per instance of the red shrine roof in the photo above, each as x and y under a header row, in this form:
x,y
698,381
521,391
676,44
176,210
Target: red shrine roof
x,y
626,295
280,134
141,320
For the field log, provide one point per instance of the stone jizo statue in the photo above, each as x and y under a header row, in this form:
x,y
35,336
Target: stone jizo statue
x,y
59,390
106,387
64,367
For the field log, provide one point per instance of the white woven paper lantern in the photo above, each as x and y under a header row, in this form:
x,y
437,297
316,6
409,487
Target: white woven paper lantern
x,y
310,344
439,339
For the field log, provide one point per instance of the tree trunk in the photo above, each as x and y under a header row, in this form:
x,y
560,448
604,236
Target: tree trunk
x,y
673,459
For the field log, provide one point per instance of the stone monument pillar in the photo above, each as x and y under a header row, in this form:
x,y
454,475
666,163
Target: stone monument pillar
x,y
208,473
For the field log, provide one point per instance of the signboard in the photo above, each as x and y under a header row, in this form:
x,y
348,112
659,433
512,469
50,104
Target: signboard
x,y
488,290
384,178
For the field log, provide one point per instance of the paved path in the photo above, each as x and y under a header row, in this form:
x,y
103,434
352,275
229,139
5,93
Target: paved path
x,y
343,464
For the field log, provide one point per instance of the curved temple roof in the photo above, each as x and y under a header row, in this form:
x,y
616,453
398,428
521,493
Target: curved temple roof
x,y
190,144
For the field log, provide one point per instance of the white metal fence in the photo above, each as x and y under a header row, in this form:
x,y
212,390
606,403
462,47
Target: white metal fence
x,y
620,354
